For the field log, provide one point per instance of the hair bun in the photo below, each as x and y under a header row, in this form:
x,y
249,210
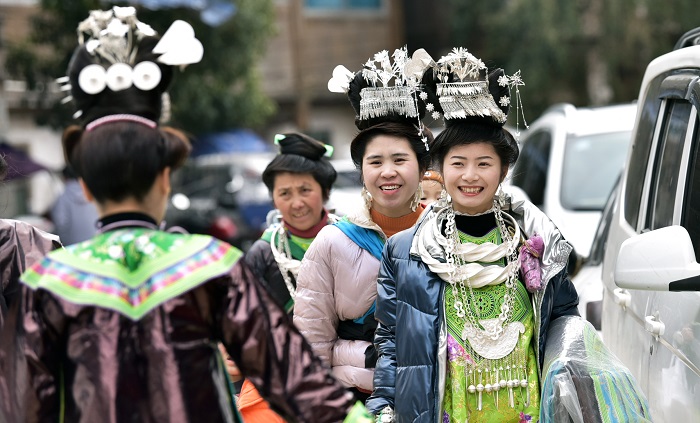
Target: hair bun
x,y
301,145
498,90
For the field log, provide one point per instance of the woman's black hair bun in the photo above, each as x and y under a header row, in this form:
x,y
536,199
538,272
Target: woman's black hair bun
x,y
301,145
499,91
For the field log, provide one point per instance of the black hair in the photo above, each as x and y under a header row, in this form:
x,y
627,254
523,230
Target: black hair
x,y
463,132
121,159
118,160
393,129
301,154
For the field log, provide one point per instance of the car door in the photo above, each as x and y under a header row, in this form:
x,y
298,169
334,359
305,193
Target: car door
x,y
624,310
674,199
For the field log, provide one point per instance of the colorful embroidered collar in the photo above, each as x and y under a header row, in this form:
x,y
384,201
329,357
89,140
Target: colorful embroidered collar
x,y
132,270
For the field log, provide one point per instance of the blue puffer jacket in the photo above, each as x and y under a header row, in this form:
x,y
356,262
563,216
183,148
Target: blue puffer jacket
x,y
411,336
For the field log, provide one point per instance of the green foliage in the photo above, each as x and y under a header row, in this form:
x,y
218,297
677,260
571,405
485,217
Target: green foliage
x,y
554,42
221,92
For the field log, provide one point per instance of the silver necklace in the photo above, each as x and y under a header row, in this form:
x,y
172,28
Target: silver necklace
x,y
490,338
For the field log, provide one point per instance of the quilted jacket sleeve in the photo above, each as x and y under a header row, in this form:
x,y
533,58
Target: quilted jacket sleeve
x,y
314,305
385,336
560,299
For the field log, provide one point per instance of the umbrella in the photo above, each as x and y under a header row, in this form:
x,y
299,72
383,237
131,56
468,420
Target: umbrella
x,y
19,165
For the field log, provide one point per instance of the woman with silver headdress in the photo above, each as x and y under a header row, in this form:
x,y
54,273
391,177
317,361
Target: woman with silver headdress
x,y
125,326
462,327
337,283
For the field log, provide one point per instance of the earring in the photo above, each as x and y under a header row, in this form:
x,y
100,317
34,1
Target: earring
x,y
499,199
416,198
367,197
445,199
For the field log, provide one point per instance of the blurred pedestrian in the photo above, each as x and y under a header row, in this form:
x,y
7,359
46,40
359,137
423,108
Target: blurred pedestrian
x,y
431,187
73,216
21,245
299,179
126,326
337,283
462,328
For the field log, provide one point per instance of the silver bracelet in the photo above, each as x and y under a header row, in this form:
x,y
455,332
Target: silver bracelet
x,y
386,415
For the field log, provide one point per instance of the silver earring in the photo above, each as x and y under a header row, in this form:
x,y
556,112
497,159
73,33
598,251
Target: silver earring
x,y
367,197
500,198
445,199
416,198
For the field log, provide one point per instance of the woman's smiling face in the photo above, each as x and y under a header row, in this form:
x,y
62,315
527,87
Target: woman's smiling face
x,y
472,174
391,174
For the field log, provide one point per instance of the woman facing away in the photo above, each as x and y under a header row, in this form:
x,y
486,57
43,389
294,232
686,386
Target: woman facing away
x,y
336,287
462,327
21,245
299,180
125,326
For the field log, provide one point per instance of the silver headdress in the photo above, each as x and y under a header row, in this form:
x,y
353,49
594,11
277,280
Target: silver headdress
x,y
113,40
464,89
389,89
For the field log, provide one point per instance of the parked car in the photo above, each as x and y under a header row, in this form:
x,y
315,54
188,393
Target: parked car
x,y
589,278
651,275
222,195
347,189
569,160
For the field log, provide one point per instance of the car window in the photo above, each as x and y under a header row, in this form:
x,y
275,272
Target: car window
x,y
348,179
667,164
601,233
195,181
637,164
591,164
530,172
691,209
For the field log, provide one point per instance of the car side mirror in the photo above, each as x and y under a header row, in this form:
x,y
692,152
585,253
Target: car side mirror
x,y
659,260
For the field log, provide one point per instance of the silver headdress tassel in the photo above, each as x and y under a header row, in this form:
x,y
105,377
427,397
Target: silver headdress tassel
x,y
463,89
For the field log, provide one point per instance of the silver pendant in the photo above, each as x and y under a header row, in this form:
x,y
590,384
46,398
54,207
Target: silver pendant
x,y
487,347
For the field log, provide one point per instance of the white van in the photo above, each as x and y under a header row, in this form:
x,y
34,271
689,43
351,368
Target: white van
x,y
651,275
569,161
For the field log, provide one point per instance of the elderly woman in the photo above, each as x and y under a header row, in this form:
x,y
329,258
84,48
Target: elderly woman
x,y
300,180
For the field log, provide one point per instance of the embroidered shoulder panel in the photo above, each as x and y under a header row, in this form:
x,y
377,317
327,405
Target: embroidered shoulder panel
x,y
132,271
